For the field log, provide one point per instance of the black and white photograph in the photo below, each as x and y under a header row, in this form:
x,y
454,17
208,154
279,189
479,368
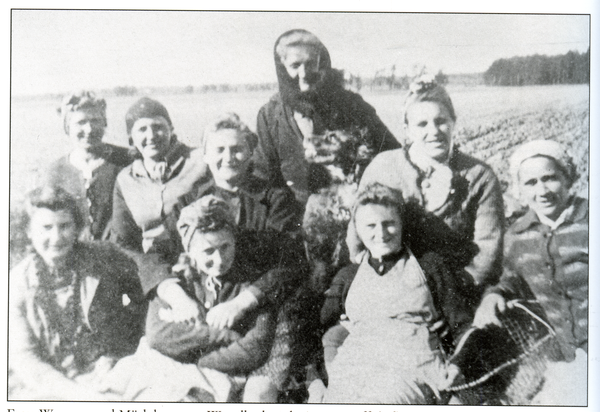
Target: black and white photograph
x,y
253,209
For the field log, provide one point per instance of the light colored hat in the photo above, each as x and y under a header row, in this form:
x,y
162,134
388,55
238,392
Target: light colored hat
x,y
207,214
80,100
546,148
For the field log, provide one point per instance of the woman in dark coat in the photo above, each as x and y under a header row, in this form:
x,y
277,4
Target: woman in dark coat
x,y
268,220
311,101
75,307
89,172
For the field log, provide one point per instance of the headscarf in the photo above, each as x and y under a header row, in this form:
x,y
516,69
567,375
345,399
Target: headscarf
x,y
546,148
81,100
145,108
207,214
328,92
426,89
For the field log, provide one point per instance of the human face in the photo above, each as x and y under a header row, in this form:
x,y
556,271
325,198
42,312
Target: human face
x,y
53,234
543,186
380,229
152,137
213,252
302,63
227,154
86,128
429,129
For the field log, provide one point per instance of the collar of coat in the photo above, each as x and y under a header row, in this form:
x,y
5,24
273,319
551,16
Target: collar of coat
x,y
175,160
530,219
252,186
81,257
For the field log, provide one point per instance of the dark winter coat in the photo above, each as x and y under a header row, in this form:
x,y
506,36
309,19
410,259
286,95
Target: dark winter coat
x,y
449,294
235,351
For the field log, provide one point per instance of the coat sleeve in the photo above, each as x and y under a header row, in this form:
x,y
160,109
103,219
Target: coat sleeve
x,y
124,232
488,232
335,296
127,320
511,286
247,353
285,212
184,341
266,159
274,263
379,136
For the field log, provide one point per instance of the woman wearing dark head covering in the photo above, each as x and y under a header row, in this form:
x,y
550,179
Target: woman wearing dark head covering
x,y
147,191
90,170
311,101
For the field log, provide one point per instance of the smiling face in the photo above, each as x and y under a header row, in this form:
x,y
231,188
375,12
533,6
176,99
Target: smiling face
x,y
213,252
86,128
429,129
228,155
53,234
379,227
302,63
543,186
152,137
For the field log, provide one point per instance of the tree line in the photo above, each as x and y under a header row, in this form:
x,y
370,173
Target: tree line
x,y
570,68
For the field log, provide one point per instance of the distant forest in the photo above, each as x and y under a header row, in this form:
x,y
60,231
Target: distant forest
x,y
570,68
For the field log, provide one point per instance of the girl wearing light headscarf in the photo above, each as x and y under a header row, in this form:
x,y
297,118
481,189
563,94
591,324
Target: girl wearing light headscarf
x,y
193,360
90,170
546,257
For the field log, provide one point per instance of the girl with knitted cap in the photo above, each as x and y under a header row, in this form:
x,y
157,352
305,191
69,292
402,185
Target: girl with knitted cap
x,y
546,257
90,170
147,191
211,273
456,199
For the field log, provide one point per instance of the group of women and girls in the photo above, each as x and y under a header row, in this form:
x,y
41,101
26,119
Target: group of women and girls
x,y
164,272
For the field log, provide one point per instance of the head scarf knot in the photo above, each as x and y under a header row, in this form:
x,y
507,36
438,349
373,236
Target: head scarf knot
x,y
207,214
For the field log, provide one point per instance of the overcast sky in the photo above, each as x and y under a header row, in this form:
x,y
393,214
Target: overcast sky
x,y
57,51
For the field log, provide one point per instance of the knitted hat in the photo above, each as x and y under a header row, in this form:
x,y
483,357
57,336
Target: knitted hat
x,y
145,108
207,214
426,89
546,148
81,100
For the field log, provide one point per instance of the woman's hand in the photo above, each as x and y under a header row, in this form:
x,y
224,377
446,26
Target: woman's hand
x,y
487,313
226,314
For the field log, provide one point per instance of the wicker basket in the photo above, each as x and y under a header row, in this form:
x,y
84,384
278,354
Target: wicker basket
x,y
505,365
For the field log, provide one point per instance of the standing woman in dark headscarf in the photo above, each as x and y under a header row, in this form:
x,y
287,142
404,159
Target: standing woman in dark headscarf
x,y
89,171
147,191
311,100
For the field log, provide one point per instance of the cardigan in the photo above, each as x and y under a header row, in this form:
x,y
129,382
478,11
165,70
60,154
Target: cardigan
x,y
235,351
279,157
144,222
112,302
552,265
469,225
450,297
94,197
